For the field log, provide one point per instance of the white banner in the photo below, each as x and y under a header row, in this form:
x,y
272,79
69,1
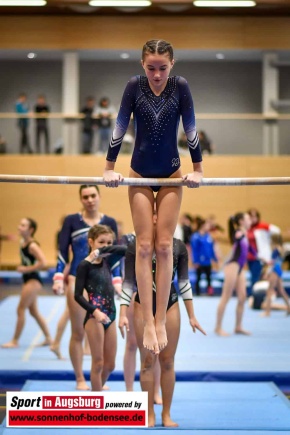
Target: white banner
x,y
75,409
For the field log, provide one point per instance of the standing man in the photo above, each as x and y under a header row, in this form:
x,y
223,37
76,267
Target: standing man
x,y
88,126
104,113
41,123
21,107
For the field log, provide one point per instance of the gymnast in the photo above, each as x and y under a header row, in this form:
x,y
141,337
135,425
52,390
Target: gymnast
x,y
32,261
265,290
234,276
157,102
166,357
74,235
129,361
274,275
94,276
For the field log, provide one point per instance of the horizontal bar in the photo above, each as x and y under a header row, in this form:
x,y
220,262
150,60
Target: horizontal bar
x,y
45,179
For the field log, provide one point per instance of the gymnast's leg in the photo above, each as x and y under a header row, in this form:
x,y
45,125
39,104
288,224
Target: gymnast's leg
x,y
130,349
231,271
241,291
141,203
147,363
77,315
166,359
28,299
168,205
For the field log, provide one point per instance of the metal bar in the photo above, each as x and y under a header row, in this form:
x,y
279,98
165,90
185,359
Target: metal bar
x,y
45,179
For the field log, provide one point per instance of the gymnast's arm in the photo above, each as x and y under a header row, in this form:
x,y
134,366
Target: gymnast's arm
x,y
185,287
114,254
64,244
188,120
81,276
117,252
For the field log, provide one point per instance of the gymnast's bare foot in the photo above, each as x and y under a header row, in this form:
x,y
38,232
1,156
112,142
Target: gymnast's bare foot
x,y
151,419
105,387
265,314
10,345
56,351
157,399
167,422
242,331
161,335
81,385
221,332
150,339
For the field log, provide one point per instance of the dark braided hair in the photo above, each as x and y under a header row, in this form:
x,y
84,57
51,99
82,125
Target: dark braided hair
x,y
158,46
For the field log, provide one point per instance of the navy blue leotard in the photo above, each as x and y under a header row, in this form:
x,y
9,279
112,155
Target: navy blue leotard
x,y
156,121
74,233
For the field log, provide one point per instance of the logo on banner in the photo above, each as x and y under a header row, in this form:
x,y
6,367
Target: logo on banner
x,y
88,409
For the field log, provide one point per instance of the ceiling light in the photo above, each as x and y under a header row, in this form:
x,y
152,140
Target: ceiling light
x,y
124,55
224,3
22,2
120,3
220,56
31,55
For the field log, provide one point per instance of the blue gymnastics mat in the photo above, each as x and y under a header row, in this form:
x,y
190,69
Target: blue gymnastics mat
x,y
263,356
203,407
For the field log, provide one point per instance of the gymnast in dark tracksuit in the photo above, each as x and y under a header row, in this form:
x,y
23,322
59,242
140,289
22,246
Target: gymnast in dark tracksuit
x,y
157,102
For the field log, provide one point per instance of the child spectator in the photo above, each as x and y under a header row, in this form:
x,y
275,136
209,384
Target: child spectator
x,y
275,275
202,248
